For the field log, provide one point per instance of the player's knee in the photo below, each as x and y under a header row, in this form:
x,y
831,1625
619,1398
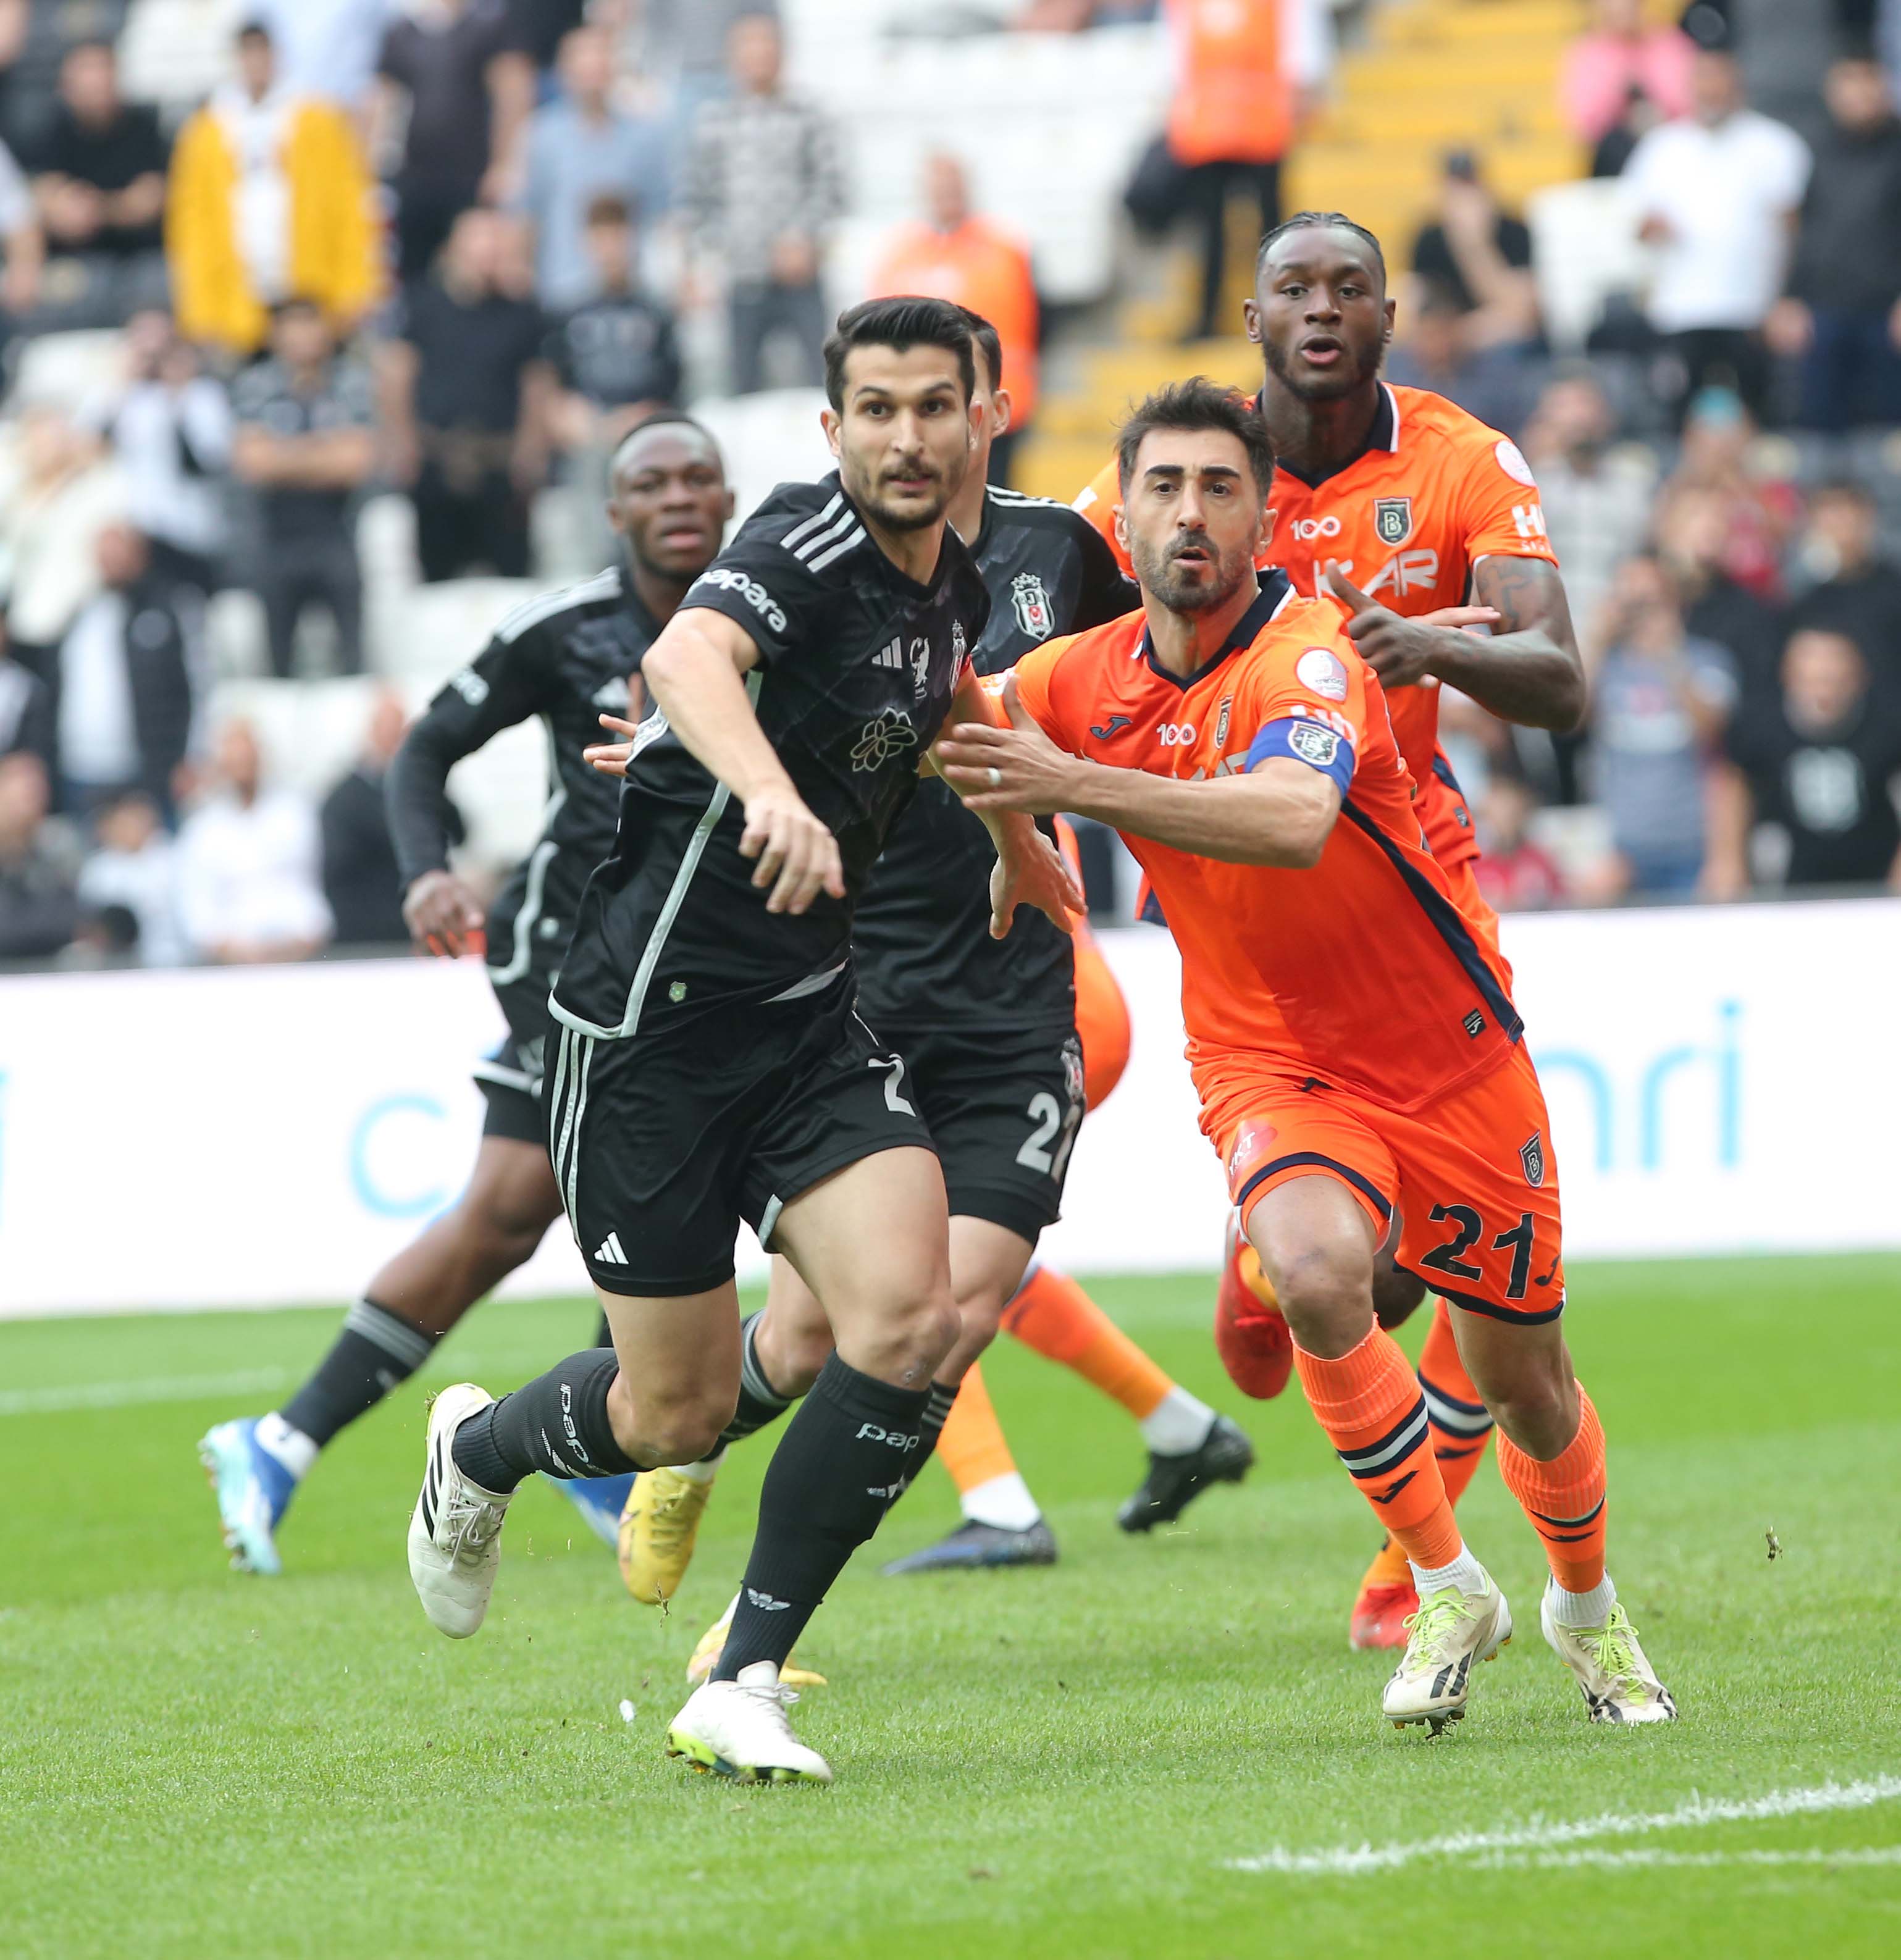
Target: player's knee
x,y
911,1337
1327,1293
676,1422
1396,1295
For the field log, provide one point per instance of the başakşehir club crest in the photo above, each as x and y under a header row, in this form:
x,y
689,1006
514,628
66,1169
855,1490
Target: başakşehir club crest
x,y
885,736
1393,520
1532,1155
1313,743
1035,614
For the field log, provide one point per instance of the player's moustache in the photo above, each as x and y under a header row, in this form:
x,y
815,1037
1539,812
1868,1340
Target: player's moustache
x,y
1192,541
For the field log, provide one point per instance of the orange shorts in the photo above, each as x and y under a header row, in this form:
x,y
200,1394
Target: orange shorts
x,y
1471,1177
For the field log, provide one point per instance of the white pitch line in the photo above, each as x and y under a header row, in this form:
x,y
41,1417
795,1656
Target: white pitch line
x,y
1642,1860
1352,1861
123,1395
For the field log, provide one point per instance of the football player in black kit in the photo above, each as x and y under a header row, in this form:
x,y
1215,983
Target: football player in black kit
x,y
989,1031
711,1064
562,658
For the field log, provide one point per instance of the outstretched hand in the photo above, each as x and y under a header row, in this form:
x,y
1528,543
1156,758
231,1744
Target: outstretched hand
x,y
1033,872
1017,768
611,758
1400,651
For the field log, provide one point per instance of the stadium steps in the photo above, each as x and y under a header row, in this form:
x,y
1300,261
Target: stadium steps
x,y
1431,75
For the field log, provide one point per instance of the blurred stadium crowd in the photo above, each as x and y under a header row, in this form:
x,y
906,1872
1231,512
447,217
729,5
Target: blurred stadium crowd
x,y
322,316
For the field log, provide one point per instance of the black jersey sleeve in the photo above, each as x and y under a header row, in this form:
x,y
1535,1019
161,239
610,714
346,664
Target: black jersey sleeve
x,y
1105,593
507,683
781,577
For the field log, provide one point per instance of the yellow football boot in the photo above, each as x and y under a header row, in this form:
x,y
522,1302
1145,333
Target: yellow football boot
x,y
659,1526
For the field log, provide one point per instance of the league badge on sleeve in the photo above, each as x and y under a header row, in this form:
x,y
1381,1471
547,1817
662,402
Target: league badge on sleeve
x,y
1322,671
1532,1155
1035,614
1393,520
1313,744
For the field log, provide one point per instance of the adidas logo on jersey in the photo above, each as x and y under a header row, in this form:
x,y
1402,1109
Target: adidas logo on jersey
x,y
609,1252
892,656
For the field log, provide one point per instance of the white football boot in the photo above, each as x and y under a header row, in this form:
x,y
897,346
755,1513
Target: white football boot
x,y
1618,1683
743,1733
1449,1631
455,1531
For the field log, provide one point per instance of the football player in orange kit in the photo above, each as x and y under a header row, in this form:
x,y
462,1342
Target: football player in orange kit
x,y
1351,1034
1401,505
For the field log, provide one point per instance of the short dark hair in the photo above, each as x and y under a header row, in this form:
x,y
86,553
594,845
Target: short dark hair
x,y
253,29
1198,403
1843,489
990,342
1322,220
661,417
901,323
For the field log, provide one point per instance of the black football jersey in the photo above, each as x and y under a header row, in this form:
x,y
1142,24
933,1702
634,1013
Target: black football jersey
x,y
564,657
925,956
857,666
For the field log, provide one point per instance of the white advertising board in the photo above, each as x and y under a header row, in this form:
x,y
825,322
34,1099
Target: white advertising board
x,y
1720,1080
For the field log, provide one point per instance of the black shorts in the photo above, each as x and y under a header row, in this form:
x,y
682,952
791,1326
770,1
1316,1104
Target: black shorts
x,y
662,1142
510,1075
1004,1104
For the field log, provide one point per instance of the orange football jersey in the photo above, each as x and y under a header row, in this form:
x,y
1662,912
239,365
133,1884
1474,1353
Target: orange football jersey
x,y
1363,972
1433,491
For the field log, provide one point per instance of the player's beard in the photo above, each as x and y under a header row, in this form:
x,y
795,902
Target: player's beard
x,y
1355,371
1159,574
947,480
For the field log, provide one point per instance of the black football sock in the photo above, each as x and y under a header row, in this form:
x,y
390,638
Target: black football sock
x,y
759,1402
376,1352
844,1459
937,1413
557,1423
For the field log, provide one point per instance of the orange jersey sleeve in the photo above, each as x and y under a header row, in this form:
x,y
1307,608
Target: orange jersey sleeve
x,y
1498,511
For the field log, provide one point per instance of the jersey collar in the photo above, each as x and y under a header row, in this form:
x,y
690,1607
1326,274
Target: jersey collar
x,y
1275,592
1382,434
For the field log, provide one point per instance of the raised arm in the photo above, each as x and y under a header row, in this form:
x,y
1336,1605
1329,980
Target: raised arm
x,y
1280,812
1528,671
697,673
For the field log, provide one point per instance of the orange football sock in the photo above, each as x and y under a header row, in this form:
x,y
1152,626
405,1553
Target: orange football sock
x,y
1461,1423
1371,1409
971,1447
1053,1314
1564,1499
1389,1567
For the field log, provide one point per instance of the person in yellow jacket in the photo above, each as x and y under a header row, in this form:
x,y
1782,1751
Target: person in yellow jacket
x,y
270,197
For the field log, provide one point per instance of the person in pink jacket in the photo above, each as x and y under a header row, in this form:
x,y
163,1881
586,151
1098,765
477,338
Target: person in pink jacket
x,y
1622,52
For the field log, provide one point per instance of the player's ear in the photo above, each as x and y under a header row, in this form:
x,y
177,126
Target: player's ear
x,y
1392,307
732,504
615,521
830,421
1120,516
1251,318
1002,410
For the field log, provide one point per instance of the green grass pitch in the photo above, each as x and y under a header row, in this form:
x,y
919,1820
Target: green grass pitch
x,y
1062,1764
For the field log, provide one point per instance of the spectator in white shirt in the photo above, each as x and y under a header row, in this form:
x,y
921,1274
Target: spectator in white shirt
x,y
123,697
1717,193
249,865
135,872
170,425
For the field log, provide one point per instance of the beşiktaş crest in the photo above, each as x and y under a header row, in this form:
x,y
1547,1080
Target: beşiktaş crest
x,y
1035,614
1392,518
